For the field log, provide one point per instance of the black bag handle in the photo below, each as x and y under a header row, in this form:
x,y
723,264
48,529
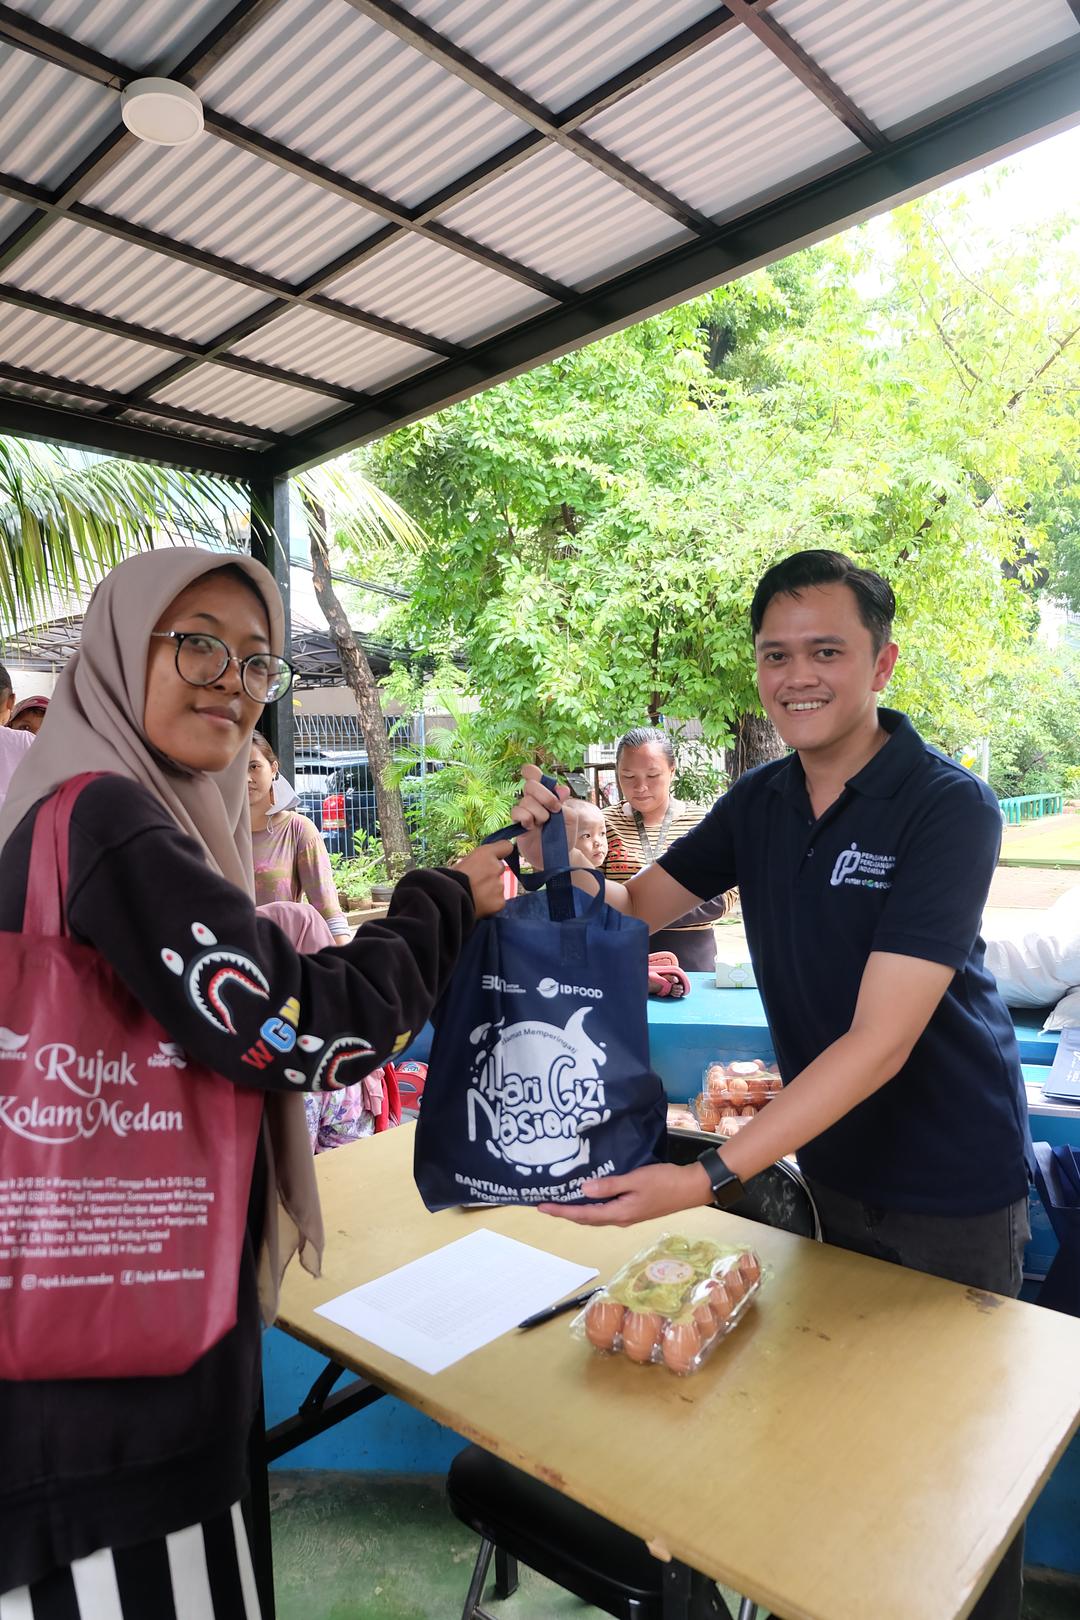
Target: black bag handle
x,y
557,874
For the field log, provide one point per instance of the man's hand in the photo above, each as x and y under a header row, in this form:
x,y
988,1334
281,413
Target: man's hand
x,y
654,1190
484,869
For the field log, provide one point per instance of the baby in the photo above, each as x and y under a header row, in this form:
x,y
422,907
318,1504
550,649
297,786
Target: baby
x,y
585,830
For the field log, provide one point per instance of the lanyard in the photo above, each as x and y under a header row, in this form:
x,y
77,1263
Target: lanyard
x,y
649,849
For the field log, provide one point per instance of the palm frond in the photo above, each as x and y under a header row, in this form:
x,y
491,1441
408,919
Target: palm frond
x,y
67,518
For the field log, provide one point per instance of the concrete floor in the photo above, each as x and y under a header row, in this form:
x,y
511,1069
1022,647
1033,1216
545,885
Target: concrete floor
x,y
369,1547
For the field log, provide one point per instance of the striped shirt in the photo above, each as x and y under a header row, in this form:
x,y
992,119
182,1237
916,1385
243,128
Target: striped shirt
x,y
627,855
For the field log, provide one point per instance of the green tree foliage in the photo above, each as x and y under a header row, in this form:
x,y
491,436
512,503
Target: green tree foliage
x,y
596,527
1034,729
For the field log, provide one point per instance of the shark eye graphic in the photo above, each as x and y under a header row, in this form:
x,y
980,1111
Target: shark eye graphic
x,y
310,1043
209,974
297,1076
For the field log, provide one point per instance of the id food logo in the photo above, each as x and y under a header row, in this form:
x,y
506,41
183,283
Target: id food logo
x,y
551,987
535,1092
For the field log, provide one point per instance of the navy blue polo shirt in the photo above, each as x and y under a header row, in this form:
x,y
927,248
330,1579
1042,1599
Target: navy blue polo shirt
x,y
901,862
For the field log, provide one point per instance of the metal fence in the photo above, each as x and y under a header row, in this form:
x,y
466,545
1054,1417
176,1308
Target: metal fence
x,y
333,778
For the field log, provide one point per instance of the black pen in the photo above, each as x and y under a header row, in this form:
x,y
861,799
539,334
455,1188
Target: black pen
x,y
559,1309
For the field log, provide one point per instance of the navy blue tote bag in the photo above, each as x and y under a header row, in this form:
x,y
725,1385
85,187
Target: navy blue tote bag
x,y
539,1072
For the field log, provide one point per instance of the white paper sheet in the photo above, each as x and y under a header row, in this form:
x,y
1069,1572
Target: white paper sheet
x,y
443,1306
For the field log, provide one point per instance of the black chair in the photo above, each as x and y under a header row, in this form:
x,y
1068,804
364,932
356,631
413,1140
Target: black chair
x,y
519,1519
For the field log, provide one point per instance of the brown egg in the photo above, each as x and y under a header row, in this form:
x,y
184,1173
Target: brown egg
x,y
728,1112
708,1113
750,1266
735,1284
720,1301
603,1319
716,1084
748,1112
640,1331
775,1084
738,1088
758,1090
728,1126
704,1320
715,1071
681,1346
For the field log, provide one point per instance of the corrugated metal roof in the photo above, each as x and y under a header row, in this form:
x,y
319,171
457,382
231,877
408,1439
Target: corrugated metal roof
x,y
897,61
94,270
49,396
49,118
211,435
61,349
232,203
318,345
152,35
559,51
12,215
564,218
235,397
427,286
358,99
727,125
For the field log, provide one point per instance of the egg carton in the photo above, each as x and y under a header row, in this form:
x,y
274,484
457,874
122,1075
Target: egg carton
x,y
672,1303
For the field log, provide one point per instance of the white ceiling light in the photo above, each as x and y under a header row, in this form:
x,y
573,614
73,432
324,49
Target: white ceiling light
x,y
161,111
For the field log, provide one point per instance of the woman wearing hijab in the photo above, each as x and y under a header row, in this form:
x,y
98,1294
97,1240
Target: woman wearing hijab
x,y
120,1497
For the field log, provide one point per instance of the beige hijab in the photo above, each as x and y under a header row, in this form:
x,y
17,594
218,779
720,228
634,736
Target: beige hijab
x,y
95,723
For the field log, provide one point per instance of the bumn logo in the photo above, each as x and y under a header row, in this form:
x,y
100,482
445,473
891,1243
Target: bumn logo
x,y
492,981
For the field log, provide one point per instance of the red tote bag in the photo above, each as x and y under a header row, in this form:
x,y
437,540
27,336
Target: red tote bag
x,y
125,1166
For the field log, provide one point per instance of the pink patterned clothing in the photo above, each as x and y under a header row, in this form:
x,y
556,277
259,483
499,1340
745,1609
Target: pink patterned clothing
x,y
291,863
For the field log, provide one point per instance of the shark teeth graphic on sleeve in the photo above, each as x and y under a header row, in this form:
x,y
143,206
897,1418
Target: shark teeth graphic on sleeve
x,y
208,976
338,1053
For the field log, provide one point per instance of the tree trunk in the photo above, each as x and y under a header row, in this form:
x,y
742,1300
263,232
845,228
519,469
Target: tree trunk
x,y
362,684
754,742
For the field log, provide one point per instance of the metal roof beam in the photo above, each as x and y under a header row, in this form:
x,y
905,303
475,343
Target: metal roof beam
x,y
196,352
28,419
121,402
806,70
474,73
955,144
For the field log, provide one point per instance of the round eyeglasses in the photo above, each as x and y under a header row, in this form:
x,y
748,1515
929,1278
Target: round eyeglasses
x,y
201,660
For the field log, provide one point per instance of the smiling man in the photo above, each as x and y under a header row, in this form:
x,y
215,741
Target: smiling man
x,y
864,860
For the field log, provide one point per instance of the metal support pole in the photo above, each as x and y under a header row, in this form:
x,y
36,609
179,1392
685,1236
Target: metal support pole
x,y
270,545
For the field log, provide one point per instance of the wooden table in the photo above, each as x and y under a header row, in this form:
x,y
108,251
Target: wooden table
x,y
867,1442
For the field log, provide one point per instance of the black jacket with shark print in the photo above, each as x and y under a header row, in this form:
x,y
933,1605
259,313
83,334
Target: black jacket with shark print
x,y
95,1463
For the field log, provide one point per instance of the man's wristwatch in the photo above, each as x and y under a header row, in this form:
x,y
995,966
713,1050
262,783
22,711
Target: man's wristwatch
x,y
727,1189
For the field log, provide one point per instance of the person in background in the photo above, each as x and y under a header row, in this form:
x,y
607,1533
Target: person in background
x,y
639,830
334,1117
28,715
586,830
290,857
13,744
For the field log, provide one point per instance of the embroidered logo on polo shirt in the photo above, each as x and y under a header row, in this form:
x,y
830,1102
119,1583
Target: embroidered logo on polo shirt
x,y
858,869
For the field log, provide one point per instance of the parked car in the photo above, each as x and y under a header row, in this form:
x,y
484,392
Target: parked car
x,y
337,791
311,773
